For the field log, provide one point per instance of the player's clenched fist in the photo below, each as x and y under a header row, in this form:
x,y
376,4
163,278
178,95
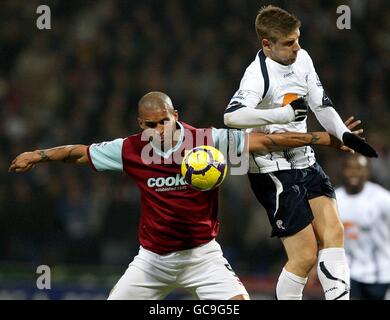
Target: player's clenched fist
x,y
23,162
300,108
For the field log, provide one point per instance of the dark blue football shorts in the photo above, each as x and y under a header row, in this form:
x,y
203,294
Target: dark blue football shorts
x,y
285,195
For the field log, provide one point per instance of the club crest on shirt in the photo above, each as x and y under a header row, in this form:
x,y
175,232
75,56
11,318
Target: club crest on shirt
x,y
241,94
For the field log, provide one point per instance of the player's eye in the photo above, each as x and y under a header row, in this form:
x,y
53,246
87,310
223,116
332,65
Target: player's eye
x,y
150,124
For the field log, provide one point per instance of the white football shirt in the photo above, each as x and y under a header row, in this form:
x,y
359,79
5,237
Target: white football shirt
x,y
366,218
268,84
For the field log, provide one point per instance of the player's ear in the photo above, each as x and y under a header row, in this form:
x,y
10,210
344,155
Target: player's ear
x,y
176,114
140,123
266,44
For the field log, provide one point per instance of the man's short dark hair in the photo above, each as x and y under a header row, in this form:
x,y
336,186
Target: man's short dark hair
x,y
273,22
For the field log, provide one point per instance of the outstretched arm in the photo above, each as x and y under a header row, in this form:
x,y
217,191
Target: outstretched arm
x,y
76,154
260,142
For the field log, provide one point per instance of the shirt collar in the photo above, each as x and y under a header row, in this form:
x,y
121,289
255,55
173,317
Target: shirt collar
x,y
167,153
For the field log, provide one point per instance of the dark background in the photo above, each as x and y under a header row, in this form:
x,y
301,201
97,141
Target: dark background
x,y
80,83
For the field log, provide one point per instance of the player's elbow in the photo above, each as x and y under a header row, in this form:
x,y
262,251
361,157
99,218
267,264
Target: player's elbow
x,y
258,143
227,119
231,120
258,147
79,155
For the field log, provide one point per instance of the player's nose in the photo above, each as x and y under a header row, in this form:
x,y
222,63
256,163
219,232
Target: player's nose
x,y
159,130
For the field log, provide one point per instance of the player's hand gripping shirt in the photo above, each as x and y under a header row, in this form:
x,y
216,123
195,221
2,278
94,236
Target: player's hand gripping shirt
x,y
267,85
174,216
366,219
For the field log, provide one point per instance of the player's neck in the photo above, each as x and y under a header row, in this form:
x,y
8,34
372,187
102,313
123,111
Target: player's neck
x,y
270,56
171,143
168,143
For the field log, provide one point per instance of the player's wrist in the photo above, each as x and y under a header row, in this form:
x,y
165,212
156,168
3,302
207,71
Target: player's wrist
x,y
38,156
320,138
300,108
289,113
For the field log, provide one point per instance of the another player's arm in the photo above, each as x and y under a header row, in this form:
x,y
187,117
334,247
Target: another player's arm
x,y
241,116
260,142
76,154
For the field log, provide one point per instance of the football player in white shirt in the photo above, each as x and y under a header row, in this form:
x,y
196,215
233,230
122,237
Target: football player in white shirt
x,y
293,188
364,208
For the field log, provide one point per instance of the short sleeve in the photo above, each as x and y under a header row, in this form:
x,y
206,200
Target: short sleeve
x,y
229,141
106,155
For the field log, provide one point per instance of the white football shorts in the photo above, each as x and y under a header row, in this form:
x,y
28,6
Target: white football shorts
x,y
203,271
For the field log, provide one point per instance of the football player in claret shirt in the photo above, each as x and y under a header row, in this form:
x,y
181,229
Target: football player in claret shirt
x,y
292,187
178,224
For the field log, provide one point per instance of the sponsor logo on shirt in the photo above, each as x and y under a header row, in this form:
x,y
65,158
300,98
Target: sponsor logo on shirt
x,y
167,183
289,97
351,230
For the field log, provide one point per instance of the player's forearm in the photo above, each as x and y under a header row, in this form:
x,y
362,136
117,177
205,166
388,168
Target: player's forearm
x,y
281,141
248,118
331,121
69,154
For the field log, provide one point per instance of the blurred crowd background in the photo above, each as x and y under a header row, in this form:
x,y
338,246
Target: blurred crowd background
x,y
80,83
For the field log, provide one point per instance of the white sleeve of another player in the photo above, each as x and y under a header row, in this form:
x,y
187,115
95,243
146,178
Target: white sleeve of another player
x,y
321,104
229,141
241,112
107,155
385,202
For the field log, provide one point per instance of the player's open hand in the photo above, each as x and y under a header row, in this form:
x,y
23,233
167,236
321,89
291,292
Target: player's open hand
x,y
23,162
354,142
351,124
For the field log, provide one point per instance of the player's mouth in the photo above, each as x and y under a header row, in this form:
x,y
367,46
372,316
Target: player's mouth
x,y
291,60
353,181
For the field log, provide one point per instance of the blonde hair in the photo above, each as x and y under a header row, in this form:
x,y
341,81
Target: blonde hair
x,y
273,22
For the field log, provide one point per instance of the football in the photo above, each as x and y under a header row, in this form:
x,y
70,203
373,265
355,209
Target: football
x,y
204,168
